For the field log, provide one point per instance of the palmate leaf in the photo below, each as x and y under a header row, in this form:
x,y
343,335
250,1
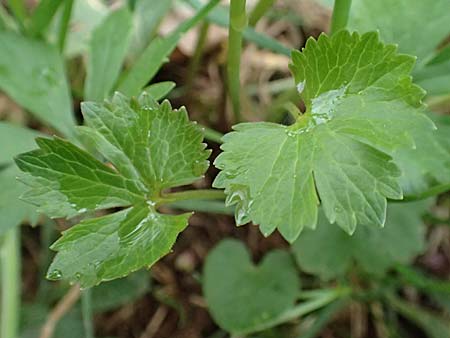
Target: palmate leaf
x,y
361,106
329,252
151,148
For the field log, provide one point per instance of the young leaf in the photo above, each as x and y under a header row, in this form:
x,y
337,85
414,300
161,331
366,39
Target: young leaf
x,y
107,49
361,105
260,293
32,73
151,148
373,250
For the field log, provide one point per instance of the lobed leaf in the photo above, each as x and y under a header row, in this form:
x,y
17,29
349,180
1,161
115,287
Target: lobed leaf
x,y
149,148
361,105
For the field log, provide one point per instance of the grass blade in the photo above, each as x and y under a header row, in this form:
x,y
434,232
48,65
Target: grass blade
x,y
259,11
156,54
43,15
107,50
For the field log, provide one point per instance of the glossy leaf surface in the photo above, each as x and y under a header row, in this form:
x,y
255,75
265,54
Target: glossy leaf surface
x,y
360,106
149,148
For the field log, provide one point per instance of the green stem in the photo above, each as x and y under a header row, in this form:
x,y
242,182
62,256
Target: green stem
x,y
340,16
436,190
212,135
10,283
86,308
259,10
197,57
304,308
209,206
200,194
238,22
64,25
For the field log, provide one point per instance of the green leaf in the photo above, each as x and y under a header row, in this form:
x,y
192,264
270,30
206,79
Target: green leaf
x,y
43,15
107,49
434,78
112,246
156,54
368,15
428,165
32,73
373,250
160,90
150,148
360,106
13,211
14,140
242,296
147,16
85,17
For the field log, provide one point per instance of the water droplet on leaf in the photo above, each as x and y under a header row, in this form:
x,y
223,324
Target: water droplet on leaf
x,y
55,275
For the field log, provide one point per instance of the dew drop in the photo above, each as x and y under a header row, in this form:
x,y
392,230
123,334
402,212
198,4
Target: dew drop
x,y
78,276
151,203
55,275
301,86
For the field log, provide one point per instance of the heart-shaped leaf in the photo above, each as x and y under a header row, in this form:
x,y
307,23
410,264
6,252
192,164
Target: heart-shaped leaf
x,y
242,296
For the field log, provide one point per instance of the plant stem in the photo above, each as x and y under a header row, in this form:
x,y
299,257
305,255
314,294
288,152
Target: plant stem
x,y
197,57
340,16
304,308
209,206
212,135
10,283
64,24
238,22
86,308
202,194
259,10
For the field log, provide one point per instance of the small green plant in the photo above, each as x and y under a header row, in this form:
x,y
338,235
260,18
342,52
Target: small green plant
x,y
346,183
